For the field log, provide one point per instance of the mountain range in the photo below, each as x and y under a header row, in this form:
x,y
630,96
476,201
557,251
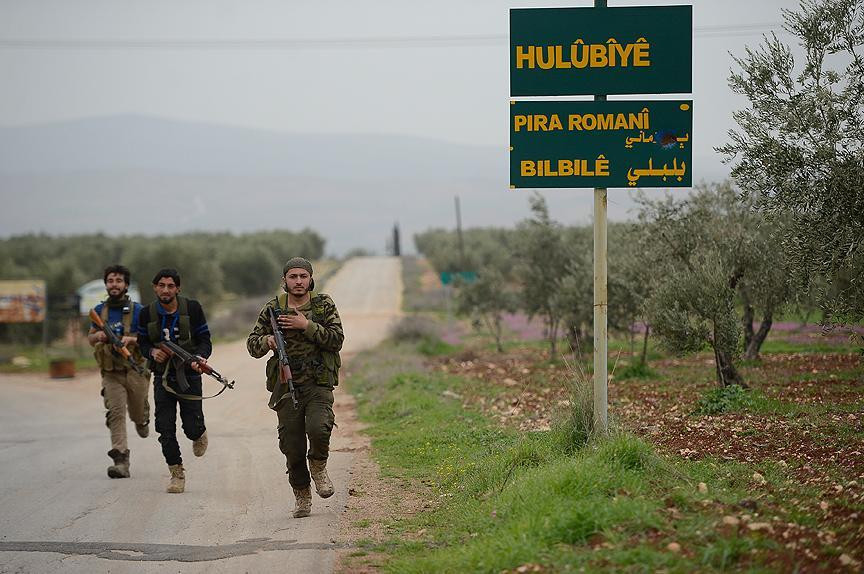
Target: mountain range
x,y
140,174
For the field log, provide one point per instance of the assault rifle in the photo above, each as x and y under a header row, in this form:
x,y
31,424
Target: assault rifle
x,y
119,346
285,376
181,357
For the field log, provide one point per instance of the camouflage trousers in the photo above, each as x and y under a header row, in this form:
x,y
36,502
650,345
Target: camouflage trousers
x,y
313,419
124,390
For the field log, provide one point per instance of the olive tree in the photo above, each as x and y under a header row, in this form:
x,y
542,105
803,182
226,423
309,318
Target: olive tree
x,y
799,145
486,300
708,256
629,283
544,265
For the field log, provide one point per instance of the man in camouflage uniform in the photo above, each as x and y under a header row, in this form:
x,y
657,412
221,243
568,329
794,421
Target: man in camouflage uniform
x,y
122,388
313,337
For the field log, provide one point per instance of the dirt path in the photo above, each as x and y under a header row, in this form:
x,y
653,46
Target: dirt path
x,y
62,513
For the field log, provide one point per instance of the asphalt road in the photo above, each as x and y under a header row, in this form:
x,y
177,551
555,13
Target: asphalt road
x,y
59,512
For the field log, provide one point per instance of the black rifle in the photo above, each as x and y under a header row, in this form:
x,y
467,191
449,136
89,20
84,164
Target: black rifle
x,y
285,376
181,357
119,346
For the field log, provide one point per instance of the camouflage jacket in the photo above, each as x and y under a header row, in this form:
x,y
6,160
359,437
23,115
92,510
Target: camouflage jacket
x,y
313,352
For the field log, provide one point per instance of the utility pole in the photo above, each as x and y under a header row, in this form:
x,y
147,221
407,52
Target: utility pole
x,y
397,250
459,236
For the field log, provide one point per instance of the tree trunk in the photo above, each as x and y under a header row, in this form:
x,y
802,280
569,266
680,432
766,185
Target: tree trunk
x,y
752,349
644,359
574,338
553,337
747,321
727,374
496,323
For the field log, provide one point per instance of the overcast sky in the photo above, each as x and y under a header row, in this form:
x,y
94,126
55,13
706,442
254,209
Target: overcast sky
x,y
431,69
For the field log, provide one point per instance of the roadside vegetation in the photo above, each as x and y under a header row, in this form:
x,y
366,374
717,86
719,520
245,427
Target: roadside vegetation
x,y
231,274
495,452
737,422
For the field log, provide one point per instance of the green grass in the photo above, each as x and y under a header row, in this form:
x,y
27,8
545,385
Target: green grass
x,y
635,371
510,498
778,345
38,359
433,347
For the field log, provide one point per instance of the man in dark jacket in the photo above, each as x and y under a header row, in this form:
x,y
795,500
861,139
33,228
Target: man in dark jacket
x,y
182,321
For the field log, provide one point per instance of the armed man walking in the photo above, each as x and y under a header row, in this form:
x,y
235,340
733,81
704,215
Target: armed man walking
x,y
125,385
310,335
181,320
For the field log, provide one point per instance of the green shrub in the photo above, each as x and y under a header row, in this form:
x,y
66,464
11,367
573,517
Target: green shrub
x,y
635,371
432,347
724,399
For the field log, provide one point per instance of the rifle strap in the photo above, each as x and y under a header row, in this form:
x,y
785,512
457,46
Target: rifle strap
x,y
189,397
180,373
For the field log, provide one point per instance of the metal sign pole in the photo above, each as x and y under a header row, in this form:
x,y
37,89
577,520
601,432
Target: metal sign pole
x,y
600,299
579,144
600,312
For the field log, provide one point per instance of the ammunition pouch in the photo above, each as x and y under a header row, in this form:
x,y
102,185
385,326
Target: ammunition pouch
x,y
106,357
272,371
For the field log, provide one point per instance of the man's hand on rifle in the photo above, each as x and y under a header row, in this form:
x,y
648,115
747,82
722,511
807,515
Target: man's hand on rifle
x,y
128,340
271,342
196,365
100,337
159,355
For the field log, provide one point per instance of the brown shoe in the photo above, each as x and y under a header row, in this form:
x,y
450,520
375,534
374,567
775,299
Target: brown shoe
x,y
143,430
318,470
120,468
178,479
303,506
199,445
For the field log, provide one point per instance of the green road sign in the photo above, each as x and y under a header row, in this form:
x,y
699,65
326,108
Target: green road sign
x,y
584,51
601,144
448,277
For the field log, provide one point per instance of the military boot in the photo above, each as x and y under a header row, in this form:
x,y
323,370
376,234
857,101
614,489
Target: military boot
x,y
178,479
303,506
120,468
199,445
143,430
318,470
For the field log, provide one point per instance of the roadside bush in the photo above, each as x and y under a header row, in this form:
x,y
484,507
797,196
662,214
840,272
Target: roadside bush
x,y
635,371
415,328
723,400
435,347
576,424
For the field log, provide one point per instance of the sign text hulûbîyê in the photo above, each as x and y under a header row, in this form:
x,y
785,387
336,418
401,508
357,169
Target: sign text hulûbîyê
x,y
579,55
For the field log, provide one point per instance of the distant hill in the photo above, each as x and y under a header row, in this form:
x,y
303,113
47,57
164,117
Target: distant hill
x,y
145,144
166,176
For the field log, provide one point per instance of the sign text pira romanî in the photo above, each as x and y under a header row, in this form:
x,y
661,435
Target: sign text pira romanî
x,y
626,50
